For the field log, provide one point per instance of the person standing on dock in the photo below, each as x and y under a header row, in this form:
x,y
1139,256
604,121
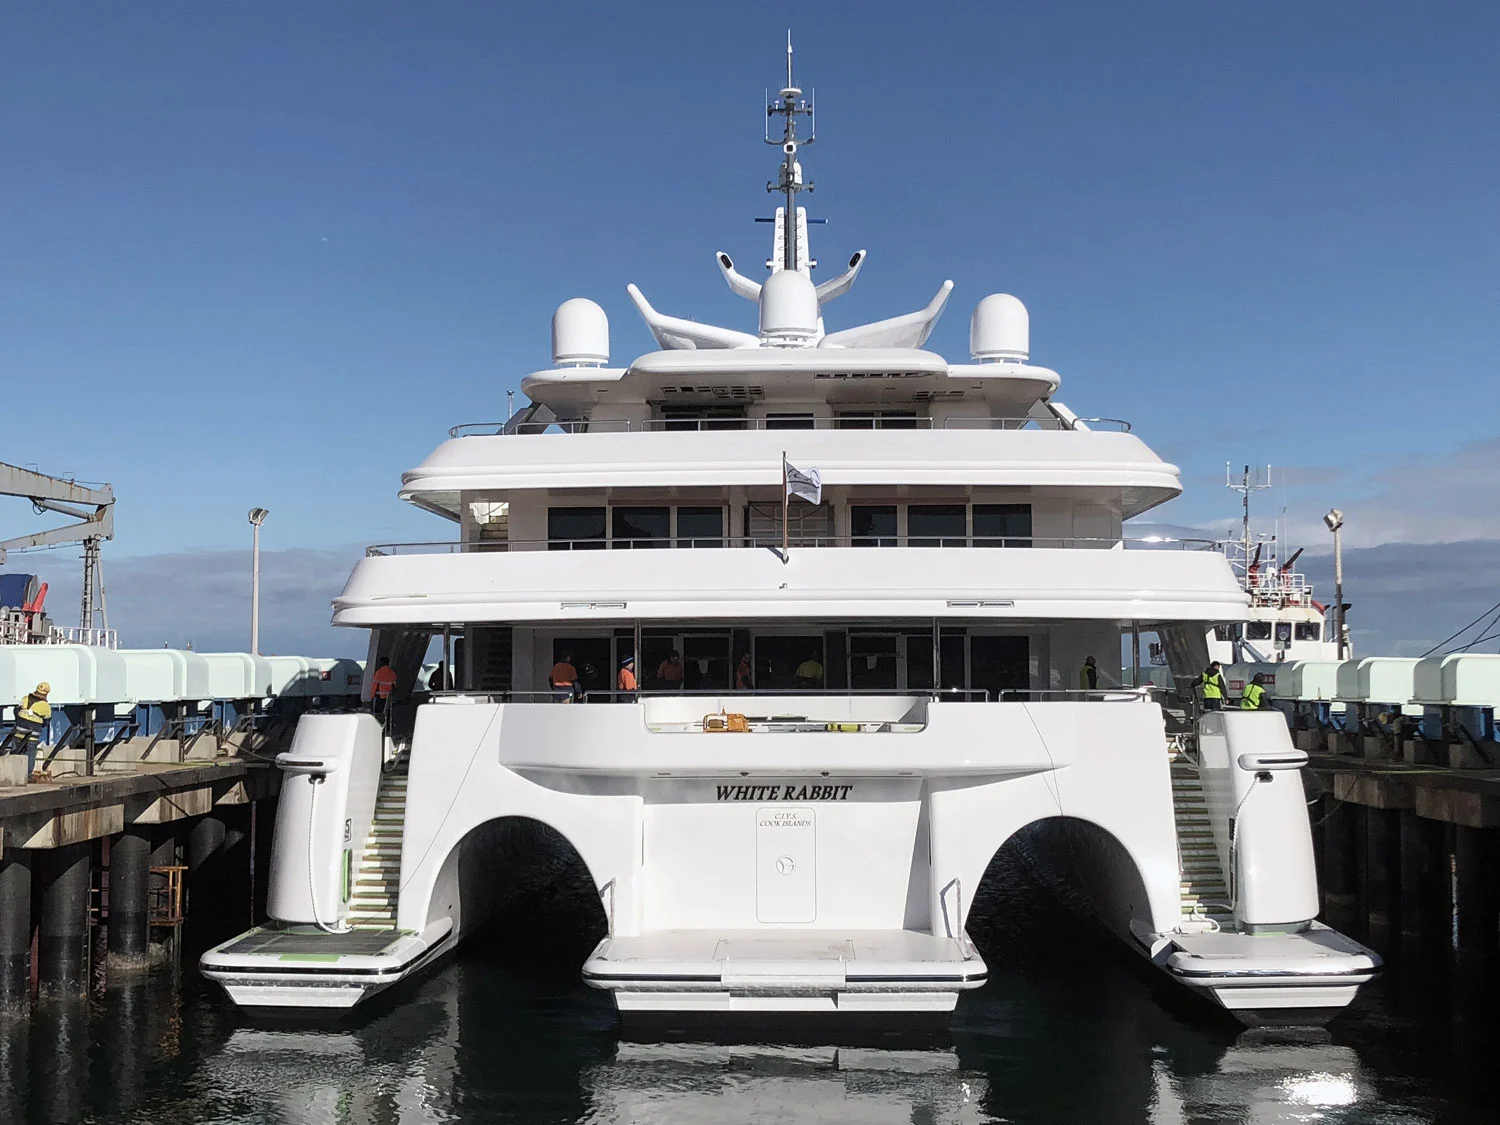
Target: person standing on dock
x,y
1254,698
1213,687
1088,675
31,723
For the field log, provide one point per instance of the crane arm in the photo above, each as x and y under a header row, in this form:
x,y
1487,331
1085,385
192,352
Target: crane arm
x,y
93,508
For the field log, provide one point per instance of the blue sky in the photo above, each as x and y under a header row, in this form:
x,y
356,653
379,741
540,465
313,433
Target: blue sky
x,y
266,254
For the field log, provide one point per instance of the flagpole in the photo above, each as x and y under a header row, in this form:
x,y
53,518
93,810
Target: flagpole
x,y
784,535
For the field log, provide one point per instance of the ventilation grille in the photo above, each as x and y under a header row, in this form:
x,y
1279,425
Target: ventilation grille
x,y
732,394
872,375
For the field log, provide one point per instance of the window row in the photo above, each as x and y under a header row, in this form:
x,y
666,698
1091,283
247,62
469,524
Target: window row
x,y
870,525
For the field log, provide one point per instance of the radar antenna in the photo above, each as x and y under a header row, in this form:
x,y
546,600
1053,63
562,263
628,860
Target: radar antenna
x,y
789,104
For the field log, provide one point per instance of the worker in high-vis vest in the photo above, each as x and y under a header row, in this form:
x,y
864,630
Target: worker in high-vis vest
x,y
1213,687
1254,698
1088,675
31,723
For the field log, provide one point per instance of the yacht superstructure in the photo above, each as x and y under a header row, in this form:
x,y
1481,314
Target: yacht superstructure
x,y
842,702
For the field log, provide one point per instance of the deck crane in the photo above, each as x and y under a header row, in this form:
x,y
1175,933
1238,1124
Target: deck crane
x,y
93,506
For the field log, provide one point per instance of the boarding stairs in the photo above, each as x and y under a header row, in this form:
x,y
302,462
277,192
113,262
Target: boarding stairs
x,y
377,883
1203,889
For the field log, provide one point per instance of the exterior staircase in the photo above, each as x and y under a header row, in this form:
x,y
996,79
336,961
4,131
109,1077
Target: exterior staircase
x,y
378,880
1204,890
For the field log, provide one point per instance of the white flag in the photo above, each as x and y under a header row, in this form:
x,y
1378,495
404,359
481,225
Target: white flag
x,y
805,483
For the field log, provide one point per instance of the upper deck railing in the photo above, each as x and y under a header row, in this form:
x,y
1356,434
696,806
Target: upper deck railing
x,y
845,422
1052,542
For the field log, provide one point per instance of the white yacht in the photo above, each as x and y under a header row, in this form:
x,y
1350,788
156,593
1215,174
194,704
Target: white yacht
x,y
859,583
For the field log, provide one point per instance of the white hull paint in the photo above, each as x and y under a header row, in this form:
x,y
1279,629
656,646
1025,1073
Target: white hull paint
x,y
806,871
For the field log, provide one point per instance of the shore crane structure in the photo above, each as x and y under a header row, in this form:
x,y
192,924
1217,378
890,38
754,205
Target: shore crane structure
x,y
91,505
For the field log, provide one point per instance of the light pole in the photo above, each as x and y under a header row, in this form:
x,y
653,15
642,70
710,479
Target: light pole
x,y
257,517
1335,521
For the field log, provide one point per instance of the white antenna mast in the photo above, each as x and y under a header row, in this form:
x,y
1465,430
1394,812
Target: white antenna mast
x,y
789,104
1245,486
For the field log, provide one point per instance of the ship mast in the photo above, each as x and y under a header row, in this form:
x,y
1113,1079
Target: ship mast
x,y
789,104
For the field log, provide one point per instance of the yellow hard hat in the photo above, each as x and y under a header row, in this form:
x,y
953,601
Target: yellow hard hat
x,y
43,688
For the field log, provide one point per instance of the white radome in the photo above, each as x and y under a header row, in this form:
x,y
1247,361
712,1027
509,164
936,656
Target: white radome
x,y
788,308
1000,329
580,334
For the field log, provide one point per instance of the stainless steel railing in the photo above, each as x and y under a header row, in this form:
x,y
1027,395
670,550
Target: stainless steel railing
x,y
773,542
845,422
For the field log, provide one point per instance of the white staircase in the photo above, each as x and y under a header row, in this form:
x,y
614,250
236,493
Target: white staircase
x,y
378,880
1204,890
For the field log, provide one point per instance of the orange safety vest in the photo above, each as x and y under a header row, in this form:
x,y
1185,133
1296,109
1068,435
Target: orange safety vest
x,y
383,682
626,680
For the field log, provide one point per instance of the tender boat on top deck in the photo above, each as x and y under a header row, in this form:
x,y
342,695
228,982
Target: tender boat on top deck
x,y
859,583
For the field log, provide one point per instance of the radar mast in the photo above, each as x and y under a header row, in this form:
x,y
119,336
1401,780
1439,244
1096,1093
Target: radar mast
x,y
789,104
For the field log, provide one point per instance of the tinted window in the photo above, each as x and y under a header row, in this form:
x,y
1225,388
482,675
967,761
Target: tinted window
x,y
878,420
703,418
576,529
641,527
873,525
1002,525
1257,630
936,525
700,527
1309,631
807,526
789,421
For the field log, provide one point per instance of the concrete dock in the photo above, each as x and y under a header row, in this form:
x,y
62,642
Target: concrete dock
x,y
1409,853
133,857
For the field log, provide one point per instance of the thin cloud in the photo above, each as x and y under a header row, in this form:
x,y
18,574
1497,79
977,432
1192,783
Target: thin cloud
x,y
202,598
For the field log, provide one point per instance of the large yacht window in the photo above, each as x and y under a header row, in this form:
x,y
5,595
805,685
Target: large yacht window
x,y
937,525
575,529
641,527
700,527
877,420
872,525
703,418
807,526
789,422
1002,525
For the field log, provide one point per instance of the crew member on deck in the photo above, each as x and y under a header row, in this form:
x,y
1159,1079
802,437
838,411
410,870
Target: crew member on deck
x,y
382,686
744,674
625,680
1254,698
1213,687
563,679
670,672
1088,675
809,673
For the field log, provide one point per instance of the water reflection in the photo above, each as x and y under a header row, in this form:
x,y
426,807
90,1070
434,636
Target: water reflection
x,y
1052,1039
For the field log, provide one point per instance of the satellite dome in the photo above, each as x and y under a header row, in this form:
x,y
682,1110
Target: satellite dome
x,y
1000,329
788,308
580,334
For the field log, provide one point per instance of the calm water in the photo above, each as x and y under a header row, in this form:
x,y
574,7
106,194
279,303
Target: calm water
x,y
1070,1031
